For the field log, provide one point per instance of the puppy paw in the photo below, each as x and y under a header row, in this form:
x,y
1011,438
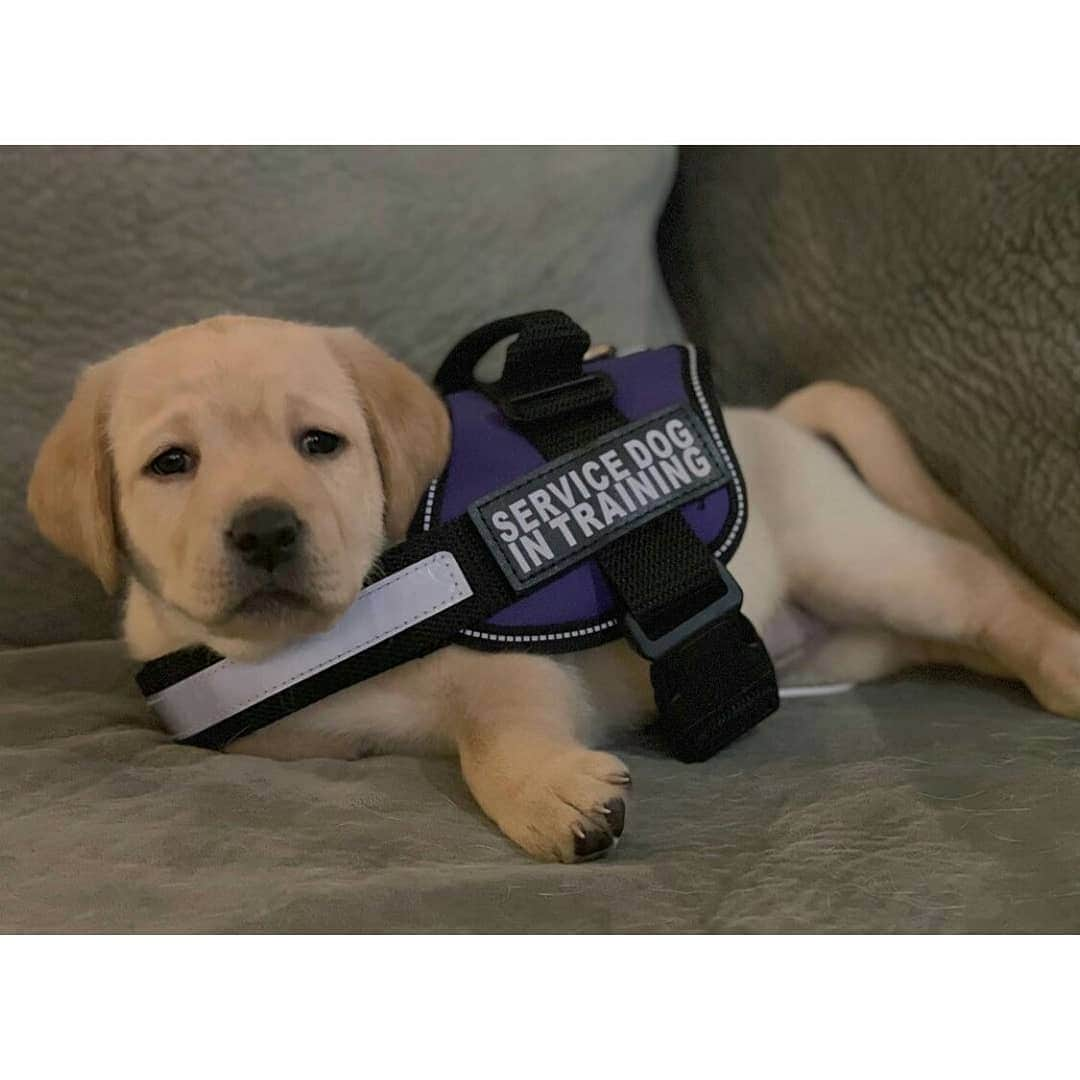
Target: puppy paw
x,y
1056,680
570,808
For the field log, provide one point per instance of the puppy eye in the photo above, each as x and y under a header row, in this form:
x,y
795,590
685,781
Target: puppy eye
x,y
317,441
171,462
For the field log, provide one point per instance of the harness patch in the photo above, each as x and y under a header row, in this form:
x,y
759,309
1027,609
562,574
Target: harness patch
x,y
570,507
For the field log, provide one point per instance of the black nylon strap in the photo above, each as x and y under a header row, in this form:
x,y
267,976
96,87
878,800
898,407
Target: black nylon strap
x,y
546,340
719,683
714,687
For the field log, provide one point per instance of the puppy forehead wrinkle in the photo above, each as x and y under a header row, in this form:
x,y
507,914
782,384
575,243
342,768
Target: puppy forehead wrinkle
x,y
145,417
136,423
154,396
311,406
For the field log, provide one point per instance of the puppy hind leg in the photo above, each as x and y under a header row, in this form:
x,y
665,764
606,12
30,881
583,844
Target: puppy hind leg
x,y
879,568
855,656
950,654
874,440
851,656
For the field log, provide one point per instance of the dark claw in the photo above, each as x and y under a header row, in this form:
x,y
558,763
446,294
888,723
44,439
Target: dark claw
x,y
593,844
616,815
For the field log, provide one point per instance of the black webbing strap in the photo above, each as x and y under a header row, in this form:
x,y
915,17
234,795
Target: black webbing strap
x,y
714,687
548,339
718,682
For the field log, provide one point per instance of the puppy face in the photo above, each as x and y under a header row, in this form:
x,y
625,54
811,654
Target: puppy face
x,y
245,472
246,479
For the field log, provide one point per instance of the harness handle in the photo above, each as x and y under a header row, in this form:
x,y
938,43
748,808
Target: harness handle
x,y
549,348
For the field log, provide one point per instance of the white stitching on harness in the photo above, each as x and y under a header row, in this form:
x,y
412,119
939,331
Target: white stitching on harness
x,y
560,636
740,496
429,505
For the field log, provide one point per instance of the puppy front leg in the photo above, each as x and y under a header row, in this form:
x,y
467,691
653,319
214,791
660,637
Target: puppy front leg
x,y
516,720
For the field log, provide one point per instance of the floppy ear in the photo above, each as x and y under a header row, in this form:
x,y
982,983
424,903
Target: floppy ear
x,y
408,421
70,494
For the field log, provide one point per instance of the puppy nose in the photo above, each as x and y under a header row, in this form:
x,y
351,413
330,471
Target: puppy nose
x,y
265,535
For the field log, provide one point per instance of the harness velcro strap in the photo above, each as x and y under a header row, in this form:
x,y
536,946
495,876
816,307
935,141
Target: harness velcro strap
x,y
713,688
551,402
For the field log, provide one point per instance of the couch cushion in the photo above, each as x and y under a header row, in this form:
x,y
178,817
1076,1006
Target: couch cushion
x,y
105,247
931,803
944,280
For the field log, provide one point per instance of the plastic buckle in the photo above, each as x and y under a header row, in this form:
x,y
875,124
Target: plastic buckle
x,y
657,648
530,405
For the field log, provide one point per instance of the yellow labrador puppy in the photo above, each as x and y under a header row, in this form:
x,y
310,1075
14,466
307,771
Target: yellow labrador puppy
x,y
174,453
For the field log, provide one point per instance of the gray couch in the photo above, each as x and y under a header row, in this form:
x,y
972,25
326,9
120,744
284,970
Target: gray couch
x,y
936,801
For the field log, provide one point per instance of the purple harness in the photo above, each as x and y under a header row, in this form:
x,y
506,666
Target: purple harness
x,y
577,609
583,501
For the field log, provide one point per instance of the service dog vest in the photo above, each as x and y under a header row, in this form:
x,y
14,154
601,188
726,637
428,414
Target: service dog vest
x,y
582,501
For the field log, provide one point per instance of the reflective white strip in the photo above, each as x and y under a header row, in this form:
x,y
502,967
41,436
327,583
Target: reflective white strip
x,y
819,690
382,610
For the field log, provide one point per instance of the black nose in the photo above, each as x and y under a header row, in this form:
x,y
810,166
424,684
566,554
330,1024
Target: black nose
x,y
265,535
